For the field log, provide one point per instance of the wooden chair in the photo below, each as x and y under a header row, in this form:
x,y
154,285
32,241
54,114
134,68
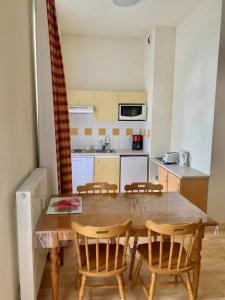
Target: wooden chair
x,y
140,187
168,257
97,187
100,259
88,188
145,187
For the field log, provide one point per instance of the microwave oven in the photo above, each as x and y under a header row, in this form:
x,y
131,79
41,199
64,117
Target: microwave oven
x,y
132,112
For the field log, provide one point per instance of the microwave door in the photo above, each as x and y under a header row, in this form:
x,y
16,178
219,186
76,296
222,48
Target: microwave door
x,y
131,111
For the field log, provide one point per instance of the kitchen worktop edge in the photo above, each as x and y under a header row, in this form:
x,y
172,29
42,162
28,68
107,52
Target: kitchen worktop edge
x,y
118,152
181,172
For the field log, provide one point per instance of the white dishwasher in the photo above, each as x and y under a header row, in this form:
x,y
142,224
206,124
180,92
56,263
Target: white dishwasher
x,y
133,169
82,170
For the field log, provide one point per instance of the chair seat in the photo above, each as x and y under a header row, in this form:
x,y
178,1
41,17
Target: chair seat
x,y
143,250
102,257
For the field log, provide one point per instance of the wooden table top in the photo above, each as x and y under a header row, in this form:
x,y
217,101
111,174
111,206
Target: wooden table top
x,y
105,209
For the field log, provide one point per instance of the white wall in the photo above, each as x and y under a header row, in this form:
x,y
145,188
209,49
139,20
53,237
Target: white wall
x,y
149,60
17,129
197,45
216,196
159,71
161,111
108,63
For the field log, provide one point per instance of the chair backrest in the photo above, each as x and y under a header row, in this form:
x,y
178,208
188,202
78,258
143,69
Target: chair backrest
x,y
97,187
106,235
176,245
144,187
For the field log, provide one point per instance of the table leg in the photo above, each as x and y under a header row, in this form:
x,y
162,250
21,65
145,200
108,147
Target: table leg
x,y
197,266
133,253
54,272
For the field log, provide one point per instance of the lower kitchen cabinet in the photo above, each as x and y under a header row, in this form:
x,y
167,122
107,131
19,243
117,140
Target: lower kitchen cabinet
x,y
163,178
173,184
107,169
194,189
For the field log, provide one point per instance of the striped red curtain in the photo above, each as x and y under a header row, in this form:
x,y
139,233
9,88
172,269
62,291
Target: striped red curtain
x,y
62,129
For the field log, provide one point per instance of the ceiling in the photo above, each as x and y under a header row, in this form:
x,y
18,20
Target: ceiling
x,y
102,17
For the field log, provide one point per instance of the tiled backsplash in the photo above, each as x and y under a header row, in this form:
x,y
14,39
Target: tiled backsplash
x,y
86,132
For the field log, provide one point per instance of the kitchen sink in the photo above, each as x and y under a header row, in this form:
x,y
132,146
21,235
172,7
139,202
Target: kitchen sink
x,y
83,151
105,151
93,151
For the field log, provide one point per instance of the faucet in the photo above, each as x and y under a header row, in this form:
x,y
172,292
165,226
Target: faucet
x,y
106,146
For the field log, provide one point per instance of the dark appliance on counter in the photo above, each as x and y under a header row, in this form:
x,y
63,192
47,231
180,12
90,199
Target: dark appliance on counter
x,y
137,143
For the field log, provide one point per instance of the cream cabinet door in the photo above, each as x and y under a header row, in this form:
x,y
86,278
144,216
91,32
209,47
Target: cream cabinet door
x,y
173,183
80,97
163,178
105,105
132,97
107,169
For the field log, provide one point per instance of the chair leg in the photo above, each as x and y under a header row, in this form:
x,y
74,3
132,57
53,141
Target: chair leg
x,y
77,280
189,286
81,291
134,249
138,268
176,279
152,287
121,286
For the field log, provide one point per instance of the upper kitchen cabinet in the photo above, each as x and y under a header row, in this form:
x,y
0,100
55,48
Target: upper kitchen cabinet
x,y
105,105
80,97
132,97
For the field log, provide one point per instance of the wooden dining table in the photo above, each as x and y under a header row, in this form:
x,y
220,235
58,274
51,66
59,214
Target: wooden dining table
x,y
109,209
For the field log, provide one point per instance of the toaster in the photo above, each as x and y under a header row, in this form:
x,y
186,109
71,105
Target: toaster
x,y
171,157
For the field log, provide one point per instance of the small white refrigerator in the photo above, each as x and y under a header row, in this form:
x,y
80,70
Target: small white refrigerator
x,y
82,170
133,169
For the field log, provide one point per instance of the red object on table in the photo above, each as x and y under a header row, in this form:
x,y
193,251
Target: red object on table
x,y
66,204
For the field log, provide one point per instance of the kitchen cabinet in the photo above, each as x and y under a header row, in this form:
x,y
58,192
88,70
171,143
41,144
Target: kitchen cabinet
x,y
173,183
132,97
193,188
162,178
105,102
79,97
105,105
107,169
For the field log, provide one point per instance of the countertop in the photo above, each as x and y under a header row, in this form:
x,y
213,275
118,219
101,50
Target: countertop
x,y
181,172
118,152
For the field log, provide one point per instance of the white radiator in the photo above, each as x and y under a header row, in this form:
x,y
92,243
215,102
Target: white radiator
x,y
30,200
